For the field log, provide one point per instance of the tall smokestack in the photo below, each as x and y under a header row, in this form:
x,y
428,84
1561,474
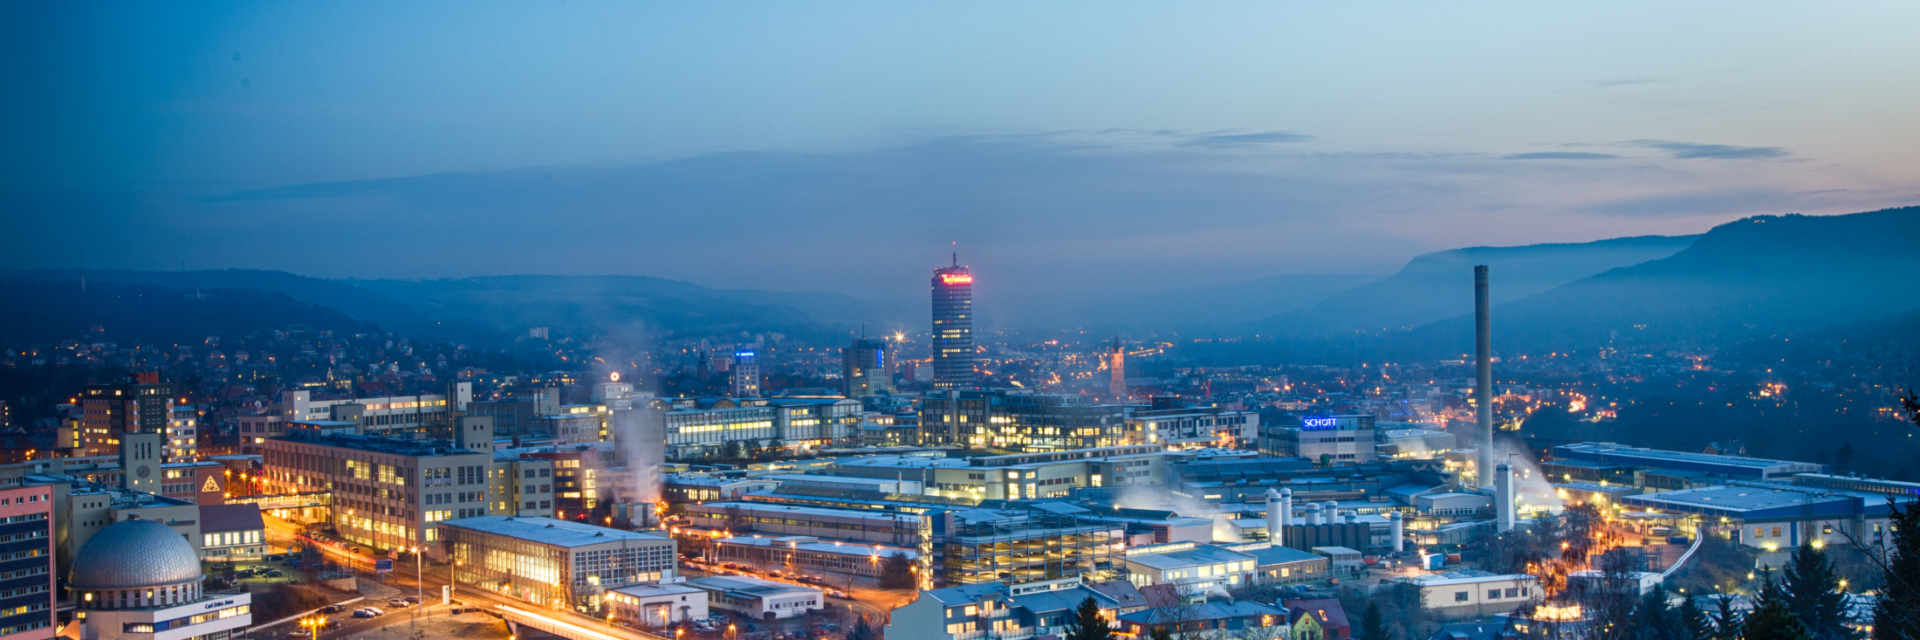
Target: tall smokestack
x,y
1399,531
1483,362
1503,498
1275,534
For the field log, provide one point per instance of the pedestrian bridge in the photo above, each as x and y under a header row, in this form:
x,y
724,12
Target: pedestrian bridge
x,y
286,500
568,625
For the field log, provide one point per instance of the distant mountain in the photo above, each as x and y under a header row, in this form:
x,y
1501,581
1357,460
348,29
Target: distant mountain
x,y
42,311
1439,285
1757,275
1214,305
591,305
497,308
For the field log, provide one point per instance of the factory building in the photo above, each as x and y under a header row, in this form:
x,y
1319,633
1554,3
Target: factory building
x,y
1008,611
809,555
1734,467
759,599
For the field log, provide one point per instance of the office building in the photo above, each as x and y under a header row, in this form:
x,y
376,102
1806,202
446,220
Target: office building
x,y
702,427
1194,427
143,404
232,533
853,525
801,424
554,563
137,580
403,413
514,414
27,596
744,376
864,368
1020,421
953,327
810,555
386,493
182,428
1325,439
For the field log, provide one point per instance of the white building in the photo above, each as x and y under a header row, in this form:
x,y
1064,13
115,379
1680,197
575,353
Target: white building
x,y
1461,594
139,580
1192,568
758,598
653,606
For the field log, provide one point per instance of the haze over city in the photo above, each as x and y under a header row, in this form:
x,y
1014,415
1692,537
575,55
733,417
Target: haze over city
x,y
978,321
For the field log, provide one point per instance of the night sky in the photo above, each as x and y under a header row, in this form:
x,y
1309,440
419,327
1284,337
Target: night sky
x,y
1092,147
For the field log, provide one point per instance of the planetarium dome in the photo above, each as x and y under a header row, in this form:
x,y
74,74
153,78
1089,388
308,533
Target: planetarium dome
x,y
135,563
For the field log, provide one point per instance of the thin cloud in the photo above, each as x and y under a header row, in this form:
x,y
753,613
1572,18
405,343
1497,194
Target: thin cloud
x,y
1244,139
1559,155
1623,82
1695,151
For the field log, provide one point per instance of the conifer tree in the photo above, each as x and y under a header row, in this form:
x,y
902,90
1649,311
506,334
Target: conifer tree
x,y
1810,587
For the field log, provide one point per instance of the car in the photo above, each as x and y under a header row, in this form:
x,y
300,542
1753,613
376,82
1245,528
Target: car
x,y
413,599
775,573
333,608
276,557
839,594
396,602
364,613
274,573
300,633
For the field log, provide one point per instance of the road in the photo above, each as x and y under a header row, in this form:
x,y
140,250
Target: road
x,y
404,579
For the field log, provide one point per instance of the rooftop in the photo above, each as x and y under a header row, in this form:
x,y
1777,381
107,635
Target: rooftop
x,y
745,587
808,543
1198,555
551,532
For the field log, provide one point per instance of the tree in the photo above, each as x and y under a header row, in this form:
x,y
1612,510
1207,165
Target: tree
x,y
861,630
896,572
1897,614
1086,623
1693,621
1726,622
1653,619
1775,622
731,450
1373,624
1159,632
1811,590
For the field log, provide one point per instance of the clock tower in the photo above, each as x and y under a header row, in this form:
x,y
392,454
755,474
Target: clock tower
x,y
140,461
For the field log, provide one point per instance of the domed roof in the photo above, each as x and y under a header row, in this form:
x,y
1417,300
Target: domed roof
x,y
134,554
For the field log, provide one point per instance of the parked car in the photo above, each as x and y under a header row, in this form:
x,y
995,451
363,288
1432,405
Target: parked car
x,y
274,573
364,613
396,602
333,608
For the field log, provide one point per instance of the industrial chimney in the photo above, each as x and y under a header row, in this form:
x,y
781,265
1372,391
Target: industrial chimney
x,y
1275,525
1399,532
1503,498
1483,362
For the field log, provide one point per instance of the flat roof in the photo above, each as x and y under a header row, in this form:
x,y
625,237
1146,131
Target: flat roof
x,y
1610,452
802,477
551,532
905,462
743,586
1748,501
651,590
1200,554
805,543
812,511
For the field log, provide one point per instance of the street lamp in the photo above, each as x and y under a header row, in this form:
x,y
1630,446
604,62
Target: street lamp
x,y
419,587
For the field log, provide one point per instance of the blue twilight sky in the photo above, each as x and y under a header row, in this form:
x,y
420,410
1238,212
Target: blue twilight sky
x,y
1085,147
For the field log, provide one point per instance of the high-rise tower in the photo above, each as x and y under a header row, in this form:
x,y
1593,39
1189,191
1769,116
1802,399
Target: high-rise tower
x,y
746,376
863,364
1117,366
953,326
